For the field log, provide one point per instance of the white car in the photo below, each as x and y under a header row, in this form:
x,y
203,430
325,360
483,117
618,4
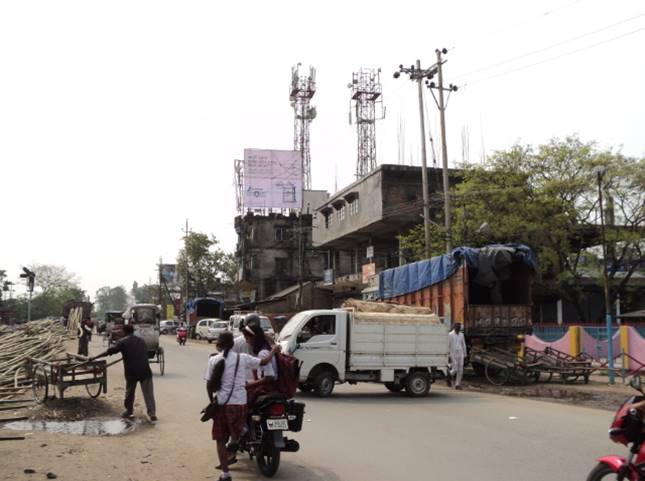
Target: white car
x,y
266,326
215,330
201,329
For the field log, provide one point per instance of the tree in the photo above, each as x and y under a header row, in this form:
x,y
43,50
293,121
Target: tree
x,y
145,294
54,286
547,198
209,267
110,299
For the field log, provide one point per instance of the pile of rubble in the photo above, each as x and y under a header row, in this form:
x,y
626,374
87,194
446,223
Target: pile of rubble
x,y
44,339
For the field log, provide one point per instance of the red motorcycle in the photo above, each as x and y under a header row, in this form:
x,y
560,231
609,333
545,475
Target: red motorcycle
x,y
182,335
627,428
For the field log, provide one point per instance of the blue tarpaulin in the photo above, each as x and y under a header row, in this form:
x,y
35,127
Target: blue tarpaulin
x,y
412,277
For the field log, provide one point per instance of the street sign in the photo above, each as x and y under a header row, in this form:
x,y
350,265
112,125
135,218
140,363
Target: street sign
x,y
370,252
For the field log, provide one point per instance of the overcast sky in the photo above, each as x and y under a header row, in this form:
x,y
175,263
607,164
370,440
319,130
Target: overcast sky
x,y
119,120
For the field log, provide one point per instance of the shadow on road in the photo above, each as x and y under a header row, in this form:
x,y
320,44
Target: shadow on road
x,y
246,469
435,397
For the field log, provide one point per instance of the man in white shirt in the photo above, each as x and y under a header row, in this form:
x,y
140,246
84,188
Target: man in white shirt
x,y
458,351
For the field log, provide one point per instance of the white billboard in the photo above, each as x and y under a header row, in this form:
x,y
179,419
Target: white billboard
x,y
272,179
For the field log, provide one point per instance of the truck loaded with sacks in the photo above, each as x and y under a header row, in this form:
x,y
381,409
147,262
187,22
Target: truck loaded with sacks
x,y
398,346
487,290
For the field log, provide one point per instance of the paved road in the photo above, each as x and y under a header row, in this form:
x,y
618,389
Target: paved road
x,y
366,433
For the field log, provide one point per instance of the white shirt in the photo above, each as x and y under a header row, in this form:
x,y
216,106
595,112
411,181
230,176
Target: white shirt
x,y
269,369
457,344
239,383
241,346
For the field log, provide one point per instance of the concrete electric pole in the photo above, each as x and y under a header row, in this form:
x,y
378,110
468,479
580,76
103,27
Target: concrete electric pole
x,y
417,74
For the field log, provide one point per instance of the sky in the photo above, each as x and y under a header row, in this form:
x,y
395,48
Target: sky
x,y
120,120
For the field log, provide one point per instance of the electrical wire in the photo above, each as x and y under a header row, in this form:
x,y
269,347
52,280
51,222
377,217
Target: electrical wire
x,y
477,37
549,47
581,49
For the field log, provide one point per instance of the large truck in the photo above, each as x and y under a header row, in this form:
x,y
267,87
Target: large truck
x,y
402,350
487,290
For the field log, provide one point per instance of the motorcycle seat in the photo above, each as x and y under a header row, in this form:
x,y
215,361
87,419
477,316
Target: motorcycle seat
x,y
267,398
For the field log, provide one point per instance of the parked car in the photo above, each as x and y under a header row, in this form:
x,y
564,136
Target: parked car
x,y
201,329
234,324
266,326
215,330
169,326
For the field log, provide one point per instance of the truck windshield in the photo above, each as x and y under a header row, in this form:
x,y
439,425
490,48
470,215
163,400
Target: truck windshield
x,y
145,315
289,328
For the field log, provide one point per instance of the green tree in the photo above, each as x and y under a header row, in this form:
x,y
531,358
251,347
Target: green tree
x,y
209,267
145,294
110,299
54,285
547,198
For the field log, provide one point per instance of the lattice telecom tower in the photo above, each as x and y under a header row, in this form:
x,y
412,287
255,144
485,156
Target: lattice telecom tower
x,y
303,88
366,107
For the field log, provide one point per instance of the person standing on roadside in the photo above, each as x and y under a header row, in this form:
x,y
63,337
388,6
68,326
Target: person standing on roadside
x,y
458,351
136,369
85,337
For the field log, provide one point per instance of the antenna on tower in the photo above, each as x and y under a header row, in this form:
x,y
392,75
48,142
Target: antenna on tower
x,y
366,107
303,88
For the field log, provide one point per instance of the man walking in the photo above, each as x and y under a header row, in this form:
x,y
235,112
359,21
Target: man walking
x,y
136,369
457,347
85,336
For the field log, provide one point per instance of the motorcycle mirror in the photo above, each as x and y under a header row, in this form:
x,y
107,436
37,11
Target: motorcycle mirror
x,y
635,382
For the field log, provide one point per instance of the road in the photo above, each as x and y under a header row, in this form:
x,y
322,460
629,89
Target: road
x,y
361,433
366,433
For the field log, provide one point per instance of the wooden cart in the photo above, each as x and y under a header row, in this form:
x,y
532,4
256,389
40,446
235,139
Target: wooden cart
x,y
47,377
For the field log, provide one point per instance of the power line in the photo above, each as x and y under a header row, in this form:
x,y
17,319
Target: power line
x,y
549,47
581,49
513,26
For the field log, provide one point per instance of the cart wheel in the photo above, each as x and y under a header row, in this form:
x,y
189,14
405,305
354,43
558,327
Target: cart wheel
x,y
497,376
40,384
94,390
161,359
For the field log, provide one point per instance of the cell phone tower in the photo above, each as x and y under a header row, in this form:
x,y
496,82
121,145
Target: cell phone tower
x,y
303,88
366,107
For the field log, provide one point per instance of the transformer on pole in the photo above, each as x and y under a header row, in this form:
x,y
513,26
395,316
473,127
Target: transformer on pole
x,y
366,107
303,88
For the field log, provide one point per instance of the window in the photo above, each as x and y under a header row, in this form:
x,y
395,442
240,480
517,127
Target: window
x,y
280,233
329,220
340,213
281,264
250,233
353,207
318,326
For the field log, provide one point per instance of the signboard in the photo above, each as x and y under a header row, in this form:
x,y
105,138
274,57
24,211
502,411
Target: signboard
x,y
368,271
328,277
169,275
272,179
370,252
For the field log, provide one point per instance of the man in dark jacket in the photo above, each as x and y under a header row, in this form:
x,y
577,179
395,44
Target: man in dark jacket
x,y
136,369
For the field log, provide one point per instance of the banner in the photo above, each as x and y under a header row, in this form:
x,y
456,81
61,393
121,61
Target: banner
x,y
272,179
169,275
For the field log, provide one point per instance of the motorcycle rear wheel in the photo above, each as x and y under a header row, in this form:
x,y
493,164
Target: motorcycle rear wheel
x,y
601,472
268,460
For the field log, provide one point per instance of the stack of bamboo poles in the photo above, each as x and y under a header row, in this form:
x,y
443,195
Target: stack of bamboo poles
x,y
37,339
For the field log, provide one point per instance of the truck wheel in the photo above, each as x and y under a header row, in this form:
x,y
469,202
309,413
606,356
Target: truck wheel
x,y
417,384
394,387
304,387
324,384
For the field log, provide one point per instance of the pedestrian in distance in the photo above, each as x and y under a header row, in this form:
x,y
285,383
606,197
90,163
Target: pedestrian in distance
x,y
458,351
226,377
136,369
84,337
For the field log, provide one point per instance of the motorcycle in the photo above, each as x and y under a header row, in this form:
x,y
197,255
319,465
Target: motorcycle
x,y
182,335
264,441
627,428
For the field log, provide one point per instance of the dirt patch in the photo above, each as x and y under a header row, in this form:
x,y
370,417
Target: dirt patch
x,y
594,395
75,409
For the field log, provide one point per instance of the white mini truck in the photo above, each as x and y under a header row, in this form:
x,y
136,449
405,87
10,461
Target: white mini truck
x,y
402,351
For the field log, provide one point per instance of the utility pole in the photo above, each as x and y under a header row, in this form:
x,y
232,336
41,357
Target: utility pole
x,y
441,105
610,351
186,272
418,74
159,290
31,277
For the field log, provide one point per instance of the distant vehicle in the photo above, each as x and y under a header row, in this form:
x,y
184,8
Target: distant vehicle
x,y
215,330
235,320
202,308
109,320
201,330
169,326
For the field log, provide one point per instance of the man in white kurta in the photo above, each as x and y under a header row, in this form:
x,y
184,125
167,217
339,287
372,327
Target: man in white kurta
x,y
457,346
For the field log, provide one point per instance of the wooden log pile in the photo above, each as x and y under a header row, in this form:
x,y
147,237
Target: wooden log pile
x,y
43,339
